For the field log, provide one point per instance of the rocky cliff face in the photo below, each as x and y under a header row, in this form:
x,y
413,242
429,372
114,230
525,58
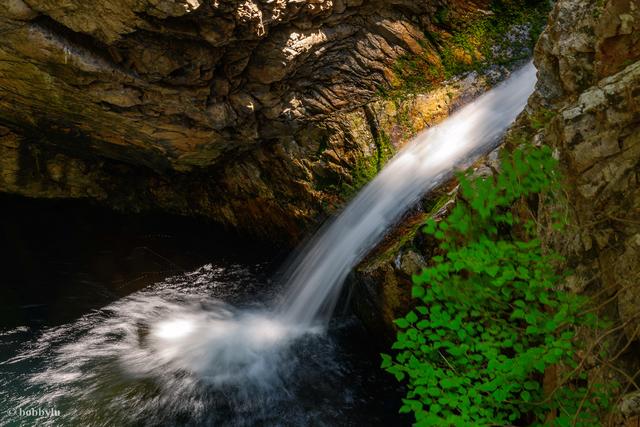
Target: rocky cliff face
x,y
589,63
590,81
248,112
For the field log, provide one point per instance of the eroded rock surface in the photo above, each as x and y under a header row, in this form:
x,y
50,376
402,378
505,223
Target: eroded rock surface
x,y
243,111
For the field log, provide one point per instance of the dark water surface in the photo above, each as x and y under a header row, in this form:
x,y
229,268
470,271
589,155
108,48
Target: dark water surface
x,y
81,290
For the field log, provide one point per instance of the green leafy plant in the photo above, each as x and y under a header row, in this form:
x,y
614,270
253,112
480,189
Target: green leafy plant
x,y
490,319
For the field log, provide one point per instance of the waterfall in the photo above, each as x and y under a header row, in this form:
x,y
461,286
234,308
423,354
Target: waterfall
x,y
315,276
176,348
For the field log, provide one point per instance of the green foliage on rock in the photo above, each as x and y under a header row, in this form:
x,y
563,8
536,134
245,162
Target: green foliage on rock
x,y
504,36
367,168
490,318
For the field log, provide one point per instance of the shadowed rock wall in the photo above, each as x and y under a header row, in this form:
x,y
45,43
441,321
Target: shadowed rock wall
x,y
239,111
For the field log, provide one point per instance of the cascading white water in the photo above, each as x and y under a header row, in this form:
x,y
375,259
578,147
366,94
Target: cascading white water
x,y
173,348
316,275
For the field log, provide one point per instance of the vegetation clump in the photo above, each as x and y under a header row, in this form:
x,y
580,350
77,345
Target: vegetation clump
x,y
367,168
504,36
490,319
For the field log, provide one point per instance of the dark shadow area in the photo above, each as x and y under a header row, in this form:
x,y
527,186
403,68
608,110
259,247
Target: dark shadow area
x,y
60,259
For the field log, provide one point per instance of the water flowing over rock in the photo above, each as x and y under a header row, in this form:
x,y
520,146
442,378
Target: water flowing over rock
x,y
317,274
239,111
588,88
